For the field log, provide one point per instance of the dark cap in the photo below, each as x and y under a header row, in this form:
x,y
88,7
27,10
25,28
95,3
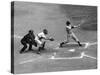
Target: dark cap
x,y
68,22
45,31
31,31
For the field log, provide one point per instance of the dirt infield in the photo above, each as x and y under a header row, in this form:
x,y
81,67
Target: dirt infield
x,y
61,59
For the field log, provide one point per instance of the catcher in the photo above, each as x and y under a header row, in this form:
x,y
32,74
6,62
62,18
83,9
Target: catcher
x,y
41,39
70,34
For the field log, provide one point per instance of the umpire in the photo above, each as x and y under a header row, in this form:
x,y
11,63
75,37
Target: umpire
x,y
28,39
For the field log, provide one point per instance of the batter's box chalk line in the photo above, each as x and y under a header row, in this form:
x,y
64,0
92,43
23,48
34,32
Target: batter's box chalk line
x,y
79,57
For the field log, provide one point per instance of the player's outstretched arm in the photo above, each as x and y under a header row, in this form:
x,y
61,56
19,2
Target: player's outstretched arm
x,y
79,24
76,26
51,39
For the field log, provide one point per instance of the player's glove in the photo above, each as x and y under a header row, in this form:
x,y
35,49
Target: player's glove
x,y
51,39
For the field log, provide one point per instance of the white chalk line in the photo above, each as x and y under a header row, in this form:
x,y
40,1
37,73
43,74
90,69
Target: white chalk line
x,y
16,36
79,57
31,60
26,61
90,44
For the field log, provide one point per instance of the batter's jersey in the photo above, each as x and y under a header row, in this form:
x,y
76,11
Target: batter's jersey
x,y
69,29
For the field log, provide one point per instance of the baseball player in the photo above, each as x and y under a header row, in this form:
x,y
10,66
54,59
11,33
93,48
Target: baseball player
x,y
41,39
28,39
70,34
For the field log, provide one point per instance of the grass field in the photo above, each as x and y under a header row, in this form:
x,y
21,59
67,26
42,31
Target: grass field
x,y
53,17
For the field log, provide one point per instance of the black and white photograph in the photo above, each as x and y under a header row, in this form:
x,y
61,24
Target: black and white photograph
x,y
51,37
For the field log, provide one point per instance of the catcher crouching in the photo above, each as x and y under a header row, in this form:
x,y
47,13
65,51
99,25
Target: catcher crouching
x,y
41,40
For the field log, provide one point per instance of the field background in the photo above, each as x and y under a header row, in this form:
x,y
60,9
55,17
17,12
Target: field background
x,y
38,16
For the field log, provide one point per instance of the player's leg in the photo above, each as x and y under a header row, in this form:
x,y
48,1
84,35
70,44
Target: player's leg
x,y
76,39
39,45
35,43
43,45
32,43
30,46
25,46
68,36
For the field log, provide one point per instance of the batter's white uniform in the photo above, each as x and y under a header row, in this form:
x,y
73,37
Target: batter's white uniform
x,y
40,38
70,34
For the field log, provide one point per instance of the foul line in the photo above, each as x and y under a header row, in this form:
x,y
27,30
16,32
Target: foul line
x,y
23,62
30,60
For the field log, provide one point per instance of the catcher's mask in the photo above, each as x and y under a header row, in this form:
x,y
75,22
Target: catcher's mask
x,y
45,31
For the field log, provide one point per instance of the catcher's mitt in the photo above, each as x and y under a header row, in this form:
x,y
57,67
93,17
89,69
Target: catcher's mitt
x,y
51,39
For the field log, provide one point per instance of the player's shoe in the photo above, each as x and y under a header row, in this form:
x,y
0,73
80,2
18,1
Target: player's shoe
x,y
39,49
79,43
61,44
21,52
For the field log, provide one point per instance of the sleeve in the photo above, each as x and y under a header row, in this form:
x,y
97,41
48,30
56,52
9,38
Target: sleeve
x,y
68,27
